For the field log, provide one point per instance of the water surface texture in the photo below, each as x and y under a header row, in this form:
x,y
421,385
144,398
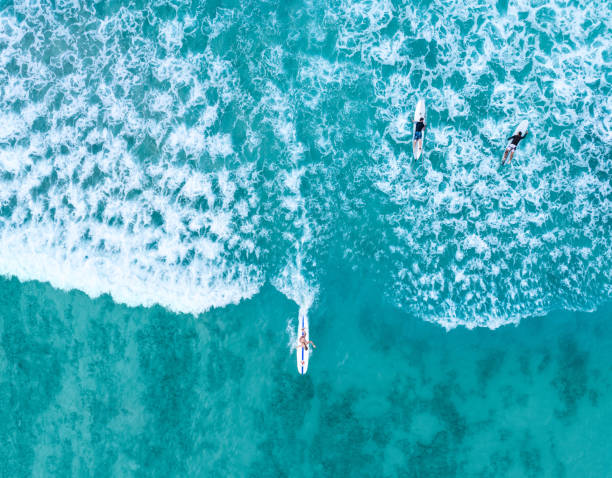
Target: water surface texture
x,y
185,154
179,178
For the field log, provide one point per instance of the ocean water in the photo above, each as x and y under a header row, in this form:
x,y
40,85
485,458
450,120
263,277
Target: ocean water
x,y
179,178
93,388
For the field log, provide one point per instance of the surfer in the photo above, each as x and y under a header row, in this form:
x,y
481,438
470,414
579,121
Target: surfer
x,y
511,148
418,133
302,342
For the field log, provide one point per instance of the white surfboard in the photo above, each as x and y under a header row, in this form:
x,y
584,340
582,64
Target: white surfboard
x,y
418,114
303,354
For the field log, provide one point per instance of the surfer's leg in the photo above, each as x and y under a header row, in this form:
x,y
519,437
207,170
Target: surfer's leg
x,y
510,150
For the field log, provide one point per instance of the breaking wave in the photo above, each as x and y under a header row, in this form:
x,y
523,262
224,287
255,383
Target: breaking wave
x,y
184,155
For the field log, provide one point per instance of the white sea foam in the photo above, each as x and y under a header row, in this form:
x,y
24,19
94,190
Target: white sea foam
x,y
161,169
504,217
85,213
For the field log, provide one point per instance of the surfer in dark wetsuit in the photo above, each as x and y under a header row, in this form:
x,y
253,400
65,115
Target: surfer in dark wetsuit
x,y
303,343
418,133
512,146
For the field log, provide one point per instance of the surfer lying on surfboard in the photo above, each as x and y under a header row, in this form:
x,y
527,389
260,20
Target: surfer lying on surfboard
x,y
511,148
303,343
418,133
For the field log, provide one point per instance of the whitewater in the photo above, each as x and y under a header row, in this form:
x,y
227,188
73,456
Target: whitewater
x,y
185,154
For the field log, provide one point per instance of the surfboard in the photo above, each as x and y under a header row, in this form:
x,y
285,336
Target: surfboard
x,y
418,114
302,354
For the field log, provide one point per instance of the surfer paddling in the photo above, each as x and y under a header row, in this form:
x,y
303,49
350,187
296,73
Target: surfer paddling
x,y
418,134
304,343
511,148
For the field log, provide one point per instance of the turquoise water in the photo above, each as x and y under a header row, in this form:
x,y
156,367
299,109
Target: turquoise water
x,y
179,179
92,388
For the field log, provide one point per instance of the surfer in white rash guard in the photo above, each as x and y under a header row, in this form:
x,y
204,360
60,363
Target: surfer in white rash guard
x,y
511,148
303,343
418,133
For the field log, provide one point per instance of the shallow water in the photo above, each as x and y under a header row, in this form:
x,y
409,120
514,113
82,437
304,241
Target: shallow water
x,y
89,387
